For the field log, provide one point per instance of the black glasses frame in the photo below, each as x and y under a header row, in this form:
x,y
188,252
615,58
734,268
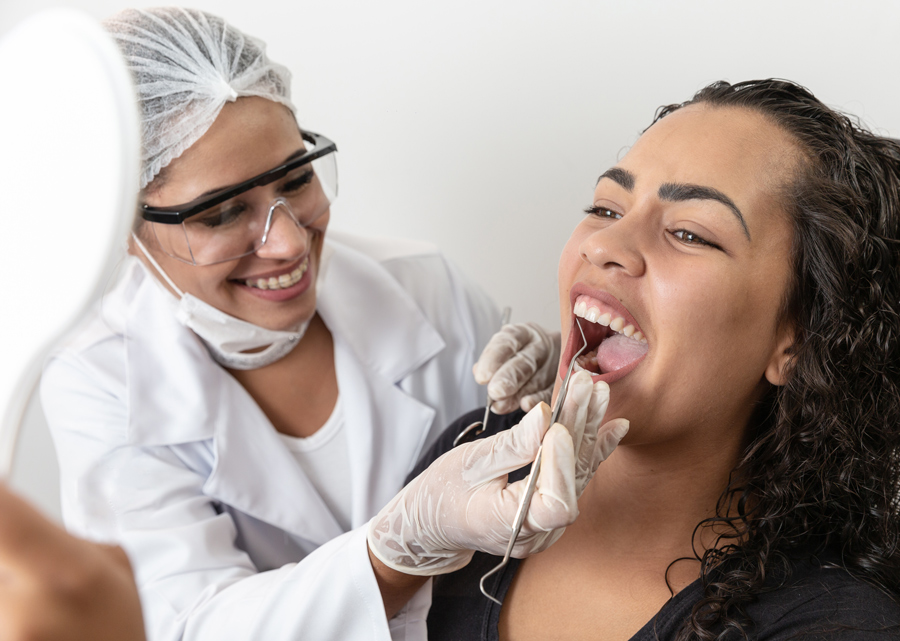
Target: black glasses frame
x,y
178,213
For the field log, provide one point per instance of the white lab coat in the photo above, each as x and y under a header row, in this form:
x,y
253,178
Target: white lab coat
x,y
163,451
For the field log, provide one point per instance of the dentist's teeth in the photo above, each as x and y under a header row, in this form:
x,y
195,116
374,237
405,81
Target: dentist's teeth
x,y
280,282
592,314
628,330
604,319
617,324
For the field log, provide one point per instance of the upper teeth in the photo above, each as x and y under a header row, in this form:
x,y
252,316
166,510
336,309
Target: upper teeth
x,y
280,282
615,322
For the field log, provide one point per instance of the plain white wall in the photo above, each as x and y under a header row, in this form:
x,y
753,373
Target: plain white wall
x,y
482,125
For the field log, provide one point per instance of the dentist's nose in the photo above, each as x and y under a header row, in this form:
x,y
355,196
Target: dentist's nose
x,y
616,246
286,238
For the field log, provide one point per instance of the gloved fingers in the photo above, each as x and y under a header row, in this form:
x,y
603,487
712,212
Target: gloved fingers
x,y
534,388
507,405
575,408
502,346
530,400
507,451
520,369
554,503
608,439
596,409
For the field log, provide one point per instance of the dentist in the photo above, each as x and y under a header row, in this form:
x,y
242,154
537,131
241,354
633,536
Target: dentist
x,y
250,393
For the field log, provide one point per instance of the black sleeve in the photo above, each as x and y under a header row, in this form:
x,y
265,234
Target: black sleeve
x,y
444,443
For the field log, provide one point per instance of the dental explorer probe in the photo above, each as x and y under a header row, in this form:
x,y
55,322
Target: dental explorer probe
x,y
525,503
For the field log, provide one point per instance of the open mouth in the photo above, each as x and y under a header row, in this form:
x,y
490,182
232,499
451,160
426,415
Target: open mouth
x,y
615,342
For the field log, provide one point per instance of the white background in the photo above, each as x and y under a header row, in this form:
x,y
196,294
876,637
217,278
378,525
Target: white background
x,y
482,125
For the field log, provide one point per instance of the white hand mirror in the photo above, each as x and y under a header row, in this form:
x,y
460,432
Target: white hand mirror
x,y
69,163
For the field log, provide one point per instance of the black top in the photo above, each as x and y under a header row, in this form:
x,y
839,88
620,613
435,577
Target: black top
x,y
819,602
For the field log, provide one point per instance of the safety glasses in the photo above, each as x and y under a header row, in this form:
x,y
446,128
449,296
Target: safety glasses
x,y
320,146
235,222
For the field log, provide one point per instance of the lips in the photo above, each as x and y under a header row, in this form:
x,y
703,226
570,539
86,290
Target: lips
x,y
280,285
615,342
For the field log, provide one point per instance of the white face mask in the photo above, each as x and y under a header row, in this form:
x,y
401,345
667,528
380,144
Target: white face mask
x,y
227,338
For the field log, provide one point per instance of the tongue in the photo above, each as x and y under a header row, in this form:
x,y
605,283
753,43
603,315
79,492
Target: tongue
x,y
618,351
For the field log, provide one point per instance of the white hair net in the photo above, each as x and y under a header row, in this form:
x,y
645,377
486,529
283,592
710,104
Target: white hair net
x,y
186,65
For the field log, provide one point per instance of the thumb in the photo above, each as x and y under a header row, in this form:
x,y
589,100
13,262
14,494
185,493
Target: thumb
x,y
507,451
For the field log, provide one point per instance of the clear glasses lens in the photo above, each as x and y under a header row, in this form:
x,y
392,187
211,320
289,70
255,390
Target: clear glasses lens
x,y
238,226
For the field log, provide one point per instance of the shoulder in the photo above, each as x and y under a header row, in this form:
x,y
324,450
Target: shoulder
x,y
92,354
419,267
456,306
106,320
824,601
383,249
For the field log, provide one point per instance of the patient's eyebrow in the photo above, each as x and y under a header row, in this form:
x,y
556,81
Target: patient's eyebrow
x,y
675,192
622,177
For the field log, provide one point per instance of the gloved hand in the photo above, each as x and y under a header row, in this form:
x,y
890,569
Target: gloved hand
x,y
463,503
519,367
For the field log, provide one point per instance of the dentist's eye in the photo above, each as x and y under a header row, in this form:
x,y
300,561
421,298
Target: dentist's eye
x,y
690,238
297,183
602,212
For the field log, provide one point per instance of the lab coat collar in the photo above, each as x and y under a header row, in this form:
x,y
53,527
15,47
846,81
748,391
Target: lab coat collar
x,y
377,318
180,395
175,389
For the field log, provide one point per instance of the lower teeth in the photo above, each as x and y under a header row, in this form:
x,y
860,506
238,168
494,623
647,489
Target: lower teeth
x,y
588,361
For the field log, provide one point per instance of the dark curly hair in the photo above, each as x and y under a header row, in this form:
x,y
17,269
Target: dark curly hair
x,y
820,468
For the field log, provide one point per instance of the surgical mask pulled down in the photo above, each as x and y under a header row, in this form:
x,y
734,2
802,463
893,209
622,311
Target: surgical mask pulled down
x,y
228,338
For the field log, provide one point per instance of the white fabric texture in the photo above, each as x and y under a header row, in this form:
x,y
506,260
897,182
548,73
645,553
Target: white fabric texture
x,y
323,457
186,65
164,452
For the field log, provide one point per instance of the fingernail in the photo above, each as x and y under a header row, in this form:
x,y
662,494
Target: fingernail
x,y
620,430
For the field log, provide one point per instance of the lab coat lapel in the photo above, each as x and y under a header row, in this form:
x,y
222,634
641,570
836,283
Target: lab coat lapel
x,y
385,431
257,474
180,395
381,336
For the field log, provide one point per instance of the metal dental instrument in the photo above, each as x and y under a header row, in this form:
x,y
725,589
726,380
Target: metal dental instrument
x,y
504,320
522,512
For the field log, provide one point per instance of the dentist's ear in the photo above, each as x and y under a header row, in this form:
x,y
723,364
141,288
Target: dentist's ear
x,y
779,365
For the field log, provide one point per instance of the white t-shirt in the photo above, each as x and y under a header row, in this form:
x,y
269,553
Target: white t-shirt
x,y
323,457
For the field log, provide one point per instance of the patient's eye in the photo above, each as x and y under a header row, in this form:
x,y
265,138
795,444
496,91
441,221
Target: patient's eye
x,y
602,212
690,238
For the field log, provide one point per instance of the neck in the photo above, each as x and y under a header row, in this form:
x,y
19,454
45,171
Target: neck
x,y
652,497
299,391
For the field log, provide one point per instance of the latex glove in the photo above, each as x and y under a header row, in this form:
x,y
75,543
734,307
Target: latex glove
x,y
55,586
463,503
519,366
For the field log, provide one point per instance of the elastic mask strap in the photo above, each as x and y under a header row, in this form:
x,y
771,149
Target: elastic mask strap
x,y
156,265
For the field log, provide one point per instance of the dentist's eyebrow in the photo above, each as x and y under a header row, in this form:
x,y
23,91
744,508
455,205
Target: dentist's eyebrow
x,y
677,192
621,177
210,192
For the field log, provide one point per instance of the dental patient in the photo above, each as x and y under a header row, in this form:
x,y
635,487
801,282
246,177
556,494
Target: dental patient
x,y
737,276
